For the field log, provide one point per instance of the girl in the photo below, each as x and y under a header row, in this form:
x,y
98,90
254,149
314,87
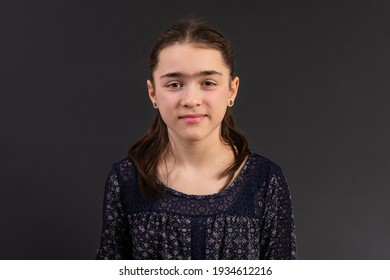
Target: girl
x,y
191,188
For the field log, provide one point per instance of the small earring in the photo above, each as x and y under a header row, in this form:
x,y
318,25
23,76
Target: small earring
x,y
231,102
155,105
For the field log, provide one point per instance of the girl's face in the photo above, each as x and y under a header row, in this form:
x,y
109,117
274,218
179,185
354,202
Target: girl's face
x,y
192,88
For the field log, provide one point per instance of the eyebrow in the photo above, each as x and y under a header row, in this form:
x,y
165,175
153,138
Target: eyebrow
x,y
198,74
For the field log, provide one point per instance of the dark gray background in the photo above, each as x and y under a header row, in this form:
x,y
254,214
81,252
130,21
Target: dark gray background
x,y
314,98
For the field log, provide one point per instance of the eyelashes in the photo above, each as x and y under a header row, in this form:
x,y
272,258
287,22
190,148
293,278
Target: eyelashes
x,y
209,83
177,84
174,85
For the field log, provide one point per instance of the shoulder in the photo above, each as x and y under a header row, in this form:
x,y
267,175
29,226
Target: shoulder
x,y
264,163
123,170
124,163
122,180
275,181
264,170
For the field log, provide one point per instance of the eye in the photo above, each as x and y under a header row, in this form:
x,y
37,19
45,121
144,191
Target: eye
x,y
174,85
209,83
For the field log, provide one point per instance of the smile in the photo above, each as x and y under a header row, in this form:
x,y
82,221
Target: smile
x,y
192,118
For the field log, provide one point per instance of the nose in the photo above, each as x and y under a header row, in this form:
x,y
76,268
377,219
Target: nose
x,y
191,97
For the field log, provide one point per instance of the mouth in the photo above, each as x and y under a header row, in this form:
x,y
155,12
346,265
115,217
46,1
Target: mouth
x,y
192,118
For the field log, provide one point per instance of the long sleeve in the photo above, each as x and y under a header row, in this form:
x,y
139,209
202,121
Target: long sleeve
x,y
278,240
115,240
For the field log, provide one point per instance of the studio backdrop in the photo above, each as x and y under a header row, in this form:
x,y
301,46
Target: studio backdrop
x,y
313,97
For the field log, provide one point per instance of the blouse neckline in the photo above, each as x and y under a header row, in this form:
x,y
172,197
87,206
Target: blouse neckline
x,y
228,189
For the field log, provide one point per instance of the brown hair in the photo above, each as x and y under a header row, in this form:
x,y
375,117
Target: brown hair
x,y
148,151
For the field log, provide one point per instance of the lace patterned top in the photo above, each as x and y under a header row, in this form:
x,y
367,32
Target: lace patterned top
x,y
251,219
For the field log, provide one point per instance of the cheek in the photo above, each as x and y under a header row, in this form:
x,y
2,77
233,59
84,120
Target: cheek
x,y
166,104
166,99
218,99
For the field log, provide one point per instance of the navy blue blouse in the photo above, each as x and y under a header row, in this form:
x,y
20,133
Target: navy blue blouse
x,y
251,219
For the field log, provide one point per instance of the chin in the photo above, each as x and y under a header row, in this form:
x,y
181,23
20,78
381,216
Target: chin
x,y
193,135
193,138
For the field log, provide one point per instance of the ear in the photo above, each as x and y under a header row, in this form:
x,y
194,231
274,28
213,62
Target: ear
x,y
234,88
151,91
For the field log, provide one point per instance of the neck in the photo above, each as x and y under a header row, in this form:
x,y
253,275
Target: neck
x,y
198,153
196,167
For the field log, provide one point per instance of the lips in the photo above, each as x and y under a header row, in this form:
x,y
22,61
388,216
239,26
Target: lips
x,y
192,118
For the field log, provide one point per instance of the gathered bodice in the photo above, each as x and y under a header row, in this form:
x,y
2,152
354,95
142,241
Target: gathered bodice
x,y
250,219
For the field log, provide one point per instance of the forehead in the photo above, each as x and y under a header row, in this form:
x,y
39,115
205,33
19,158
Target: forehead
x,y
190,58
